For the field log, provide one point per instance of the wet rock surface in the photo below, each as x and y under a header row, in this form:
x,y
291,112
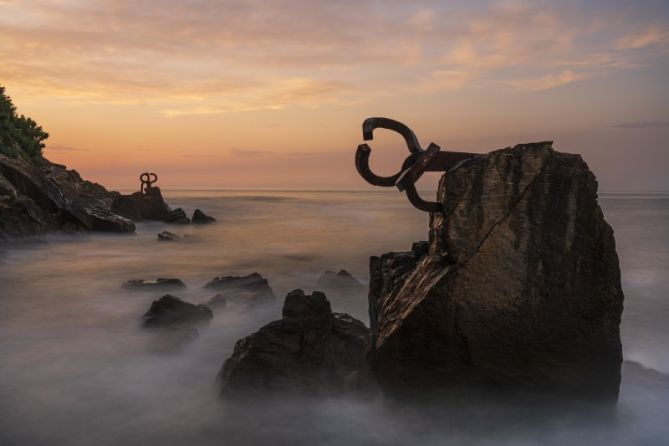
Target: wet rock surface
x,y
200,217
519,287
139,206
252,289
311,350
152,285
170,311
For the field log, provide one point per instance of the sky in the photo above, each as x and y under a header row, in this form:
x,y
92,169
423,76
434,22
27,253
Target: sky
x,y
272,93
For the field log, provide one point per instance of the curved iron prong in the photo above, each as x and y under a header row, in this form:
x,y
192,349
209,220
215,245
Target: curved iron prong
x,y
370,124
362,165
419,203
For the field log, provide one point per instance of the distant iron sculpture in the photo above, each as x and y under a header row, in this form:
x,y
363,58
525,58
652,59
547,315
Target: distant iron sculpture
x,y
147,179
418,162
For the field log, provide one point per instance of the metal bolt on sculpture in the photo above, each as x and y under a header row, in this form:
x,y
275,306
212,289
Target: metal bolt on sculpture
x,y
147,179
413,167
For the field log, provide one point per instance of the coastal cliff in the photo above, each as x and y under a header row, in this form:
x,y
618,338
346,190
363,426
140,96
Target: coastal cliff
x,y
518,287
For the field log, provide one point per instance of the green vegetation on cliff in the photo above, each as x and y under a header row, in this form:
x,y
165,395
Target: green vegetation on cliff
x,y
20,136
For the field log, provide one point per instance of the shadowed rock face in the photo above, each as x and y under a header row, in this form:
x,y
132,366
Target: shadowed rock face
x,y
520,288
200,217
311,350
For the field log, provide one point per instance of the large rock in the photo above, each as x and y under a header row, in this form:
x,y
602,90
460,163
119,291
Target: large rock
x,y
252,289
311,350
139,206
520,288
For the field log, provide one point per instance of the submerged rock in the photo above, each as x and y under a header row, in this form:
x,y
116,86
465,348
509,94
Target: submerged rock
x,y
202,218
342,282
139,206
177,216
152,285
311,350
171,311
252,289
520,288
167,236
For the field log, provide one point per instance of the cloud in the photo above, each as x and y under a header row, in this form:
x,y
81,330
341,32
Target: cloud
x,y
642,124
653,35
205,57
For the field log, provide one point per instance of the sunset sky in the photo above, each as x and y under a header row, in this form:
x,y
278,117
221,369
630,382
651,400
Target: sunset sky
x,y
271,94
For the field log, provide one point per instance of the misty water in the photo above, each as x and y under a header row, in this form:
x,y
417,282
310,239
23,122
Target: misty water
x,y
76,367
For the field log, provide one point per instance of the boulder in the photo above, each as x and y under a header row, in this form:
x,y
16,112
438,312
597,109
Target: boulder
x,y
310,351
172,311
139,206
177,216
252,289
200,217
518,289
152,285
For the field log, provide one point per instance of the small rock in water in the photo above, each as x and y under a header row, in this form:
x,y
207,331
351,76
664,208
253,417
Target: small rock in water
x,y
177,216
310,351
151,285
200,217
252,289
167,236
170,310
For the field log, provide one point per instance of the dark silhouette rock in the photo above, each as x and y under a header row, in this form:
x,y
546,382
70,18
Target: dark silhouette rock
x,y
200,217
177,216
311,351
140,206
252,289
152,285
172,311
520,288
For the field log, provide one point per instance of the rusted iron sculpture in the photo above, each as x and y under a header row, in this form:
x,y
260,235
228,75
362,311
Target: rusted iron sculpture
x,y
418,162
147,179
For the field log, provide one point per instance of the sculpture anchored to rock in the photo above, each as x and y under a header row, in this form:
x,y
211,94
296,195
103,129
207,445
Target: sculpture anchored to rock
x,y
147,179
517,288
418,162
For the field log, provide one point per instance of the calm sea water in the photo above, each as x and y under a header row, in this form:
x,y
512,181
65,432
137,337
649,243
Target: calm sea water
x,y
77,369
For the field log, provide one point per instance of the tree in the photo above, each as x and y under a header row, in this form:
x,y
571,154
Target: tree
x,y
19,130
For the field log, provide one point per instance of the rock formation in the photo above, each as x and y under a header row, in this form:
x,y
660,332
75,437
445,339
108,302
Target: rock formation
x,y
311,351
37,197
200,217
140,206
172,311
167,236
152,285
252,289
520,288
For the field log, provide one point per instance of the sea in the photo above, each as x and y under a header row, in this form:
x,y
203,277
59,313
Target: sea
x,y
77,368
